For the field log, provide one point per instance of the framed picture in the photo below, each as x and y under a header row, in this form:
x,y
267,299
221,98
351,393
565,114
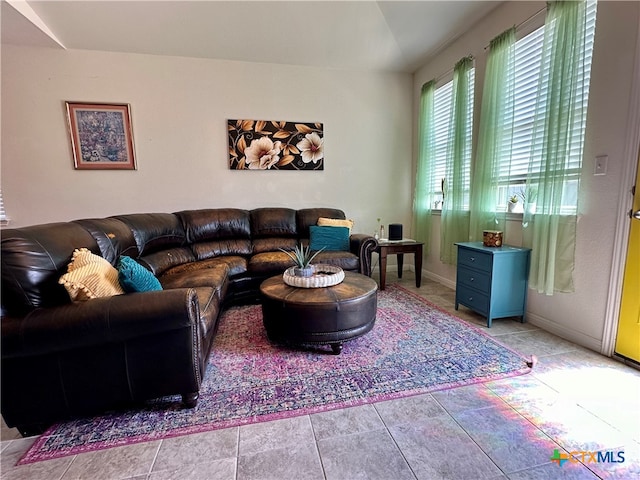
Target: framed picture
x,y
101,136
275,145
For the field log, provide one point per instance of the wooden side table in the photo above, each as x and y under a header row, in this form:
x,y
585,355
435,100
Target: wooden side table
x,y
400,247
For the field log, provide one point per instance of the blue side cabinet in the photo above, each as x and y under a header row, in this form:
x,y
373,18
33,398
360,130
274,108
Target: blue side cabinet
x,y
492,281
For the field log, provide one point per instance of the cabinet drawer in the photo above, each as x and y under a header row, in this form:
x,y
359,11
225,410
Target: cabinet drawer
x,y
473,299
476,279
474,259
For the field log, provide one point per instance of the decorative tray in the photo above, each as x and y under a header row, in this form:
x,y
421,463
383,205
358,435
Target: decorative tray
x,y
323,276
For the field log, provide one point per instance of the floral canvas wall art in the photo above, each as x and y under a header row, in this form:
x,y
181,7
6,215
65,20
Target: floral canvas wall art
x,y
271,145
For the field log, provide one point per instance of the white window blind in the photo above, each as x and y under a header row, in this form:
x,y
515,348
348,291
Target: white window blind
x,y
443,104
442,115
4,220
528,57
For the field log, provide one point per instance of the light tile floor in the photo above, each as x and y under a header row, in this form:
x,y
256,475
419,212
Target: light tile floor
x,y
575,400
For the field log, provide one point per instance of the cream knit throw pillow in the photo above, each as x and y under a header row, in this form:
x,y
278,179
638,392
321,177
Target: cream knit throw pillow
x,y
90,276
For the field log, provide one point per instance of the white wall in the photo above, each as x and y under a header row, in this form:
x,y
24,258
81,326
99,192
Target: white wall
x,y
579,316
179,112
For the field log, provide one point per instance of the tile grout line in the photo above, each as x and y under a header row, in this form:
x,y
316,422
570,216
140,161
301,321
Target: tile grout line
x,y
469,435
316,440
237,453
554,440
386,427
155,458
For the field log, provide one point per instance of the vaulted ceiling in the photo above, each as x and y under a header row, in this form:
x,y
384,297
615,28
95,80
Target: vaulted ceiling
x,y
366,35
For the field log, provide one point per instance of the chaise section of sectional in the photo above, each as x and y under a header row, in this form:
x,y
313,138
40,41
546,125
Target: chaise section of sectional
x,y
63,359
83,358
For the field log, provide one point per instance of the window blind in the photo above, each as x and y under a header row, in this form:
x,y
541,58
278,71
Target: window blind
x,y
527,65
3,214
443,104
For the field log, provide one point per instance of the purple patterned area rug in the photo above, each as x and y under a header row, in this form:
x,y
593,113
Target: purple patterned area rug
x,y
413,348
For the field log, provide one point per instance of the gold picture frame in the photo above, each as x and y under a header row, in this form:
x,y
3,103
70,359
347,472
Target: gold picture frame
x,y
101,136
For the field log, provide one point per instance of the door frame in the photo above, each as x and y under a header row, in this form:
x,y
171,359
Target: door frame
x,y
625,202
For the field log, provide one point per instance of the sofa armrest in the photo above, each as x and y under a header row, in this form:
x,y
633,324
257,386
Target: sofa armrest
x,y
99,321
363,246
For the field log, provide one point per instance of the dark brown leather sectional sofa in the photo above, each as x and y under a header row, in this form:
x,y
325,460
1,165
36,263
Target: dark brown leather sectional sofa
x,y
63,359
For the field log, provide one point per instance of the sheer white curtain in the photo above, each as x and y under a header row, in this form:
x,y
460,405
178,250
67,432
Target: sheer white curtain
x,y
559,126
423,196
455,207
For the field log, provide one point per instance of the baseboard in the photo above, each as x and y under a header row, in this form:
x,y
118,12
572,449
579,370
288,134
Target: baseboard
x,y
391,269
545,324
564,332
410,268
442,280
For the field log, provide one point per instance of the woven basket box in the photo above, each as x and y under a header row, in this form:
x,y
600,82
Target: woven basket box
x,y
492,238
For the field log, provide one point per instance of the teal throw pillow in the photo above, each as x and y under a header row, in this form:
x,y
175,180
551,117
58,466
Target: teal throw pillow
x,y
329,238
133,277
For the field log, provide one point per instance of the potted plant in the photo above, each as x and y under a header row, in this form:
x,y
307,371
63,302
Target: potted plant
x,y
512,203
302,257
529,196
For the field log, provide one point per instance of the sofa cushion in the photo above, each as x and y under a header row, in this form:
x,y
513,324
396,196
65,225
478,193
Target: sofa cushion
x,y
335,222
215,248
269,263
306,217
159,262
90,276
113,236
329,238
273,222
155,231
344,260
237,265
216,277
274,244
133,277
215,224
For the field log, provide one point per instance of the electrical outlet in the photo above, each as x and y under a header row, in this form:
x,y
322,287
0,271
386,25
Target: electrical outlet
x,y
601,165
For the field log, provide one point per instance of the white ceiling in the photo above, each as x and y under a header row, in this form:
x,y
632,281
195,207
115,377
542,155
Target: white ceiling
x,y
368,35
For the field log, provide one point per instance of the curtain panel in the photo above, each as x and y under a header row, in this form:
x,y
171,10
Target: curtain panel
x,y
455,214
423,196
560,110
495,135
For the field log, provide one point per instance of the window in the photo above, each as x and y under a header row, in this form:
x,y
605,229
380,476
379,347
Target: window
x,y
443,104
514,170
4,221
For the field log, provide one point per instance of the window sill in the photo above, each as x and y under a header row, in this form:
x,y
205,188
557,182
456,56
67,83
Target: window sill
x,y
511,217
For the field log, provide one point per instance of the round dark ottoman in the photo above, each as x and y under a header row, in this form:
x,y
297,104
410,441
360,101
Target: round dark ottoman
x,y
316,316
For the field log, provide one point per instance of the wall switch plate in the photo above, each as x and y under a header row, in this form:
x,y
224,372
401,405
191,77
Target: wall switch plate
x,y
601,165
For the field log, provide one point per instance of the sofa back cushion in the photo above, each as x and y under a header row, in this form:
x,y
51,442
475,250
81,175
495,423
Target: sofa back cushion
x,y
33,260
113,236
216,232
160,238
306,217
273,228
154,231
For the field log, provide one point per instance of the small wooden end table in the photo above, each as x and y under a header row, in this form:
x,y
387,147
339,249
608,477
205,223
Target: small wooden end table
x,y
400,247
